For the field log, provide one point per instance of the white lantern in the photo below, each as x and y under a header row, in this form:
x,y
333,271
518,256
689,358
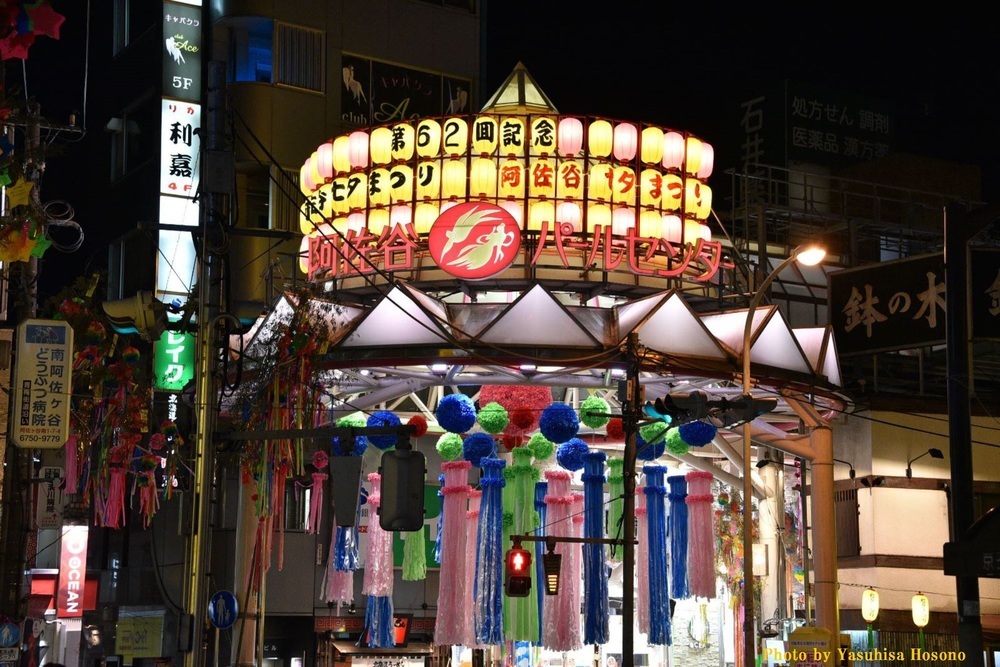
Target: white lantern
x,y
515,209
357,152
400,215
671,228
626,141
707,161
673,150
570,136
869,605
568,213
921,610
325,154
622,220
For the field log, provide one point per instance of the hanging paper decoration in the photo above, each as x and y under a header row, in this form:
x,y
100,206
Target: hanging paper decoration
x,y
477,447
677,531
456,413
493,418
697,433
378,578
452,618
595,572
560,619
419,425
659,593
594,412
571,454
315,522
450,446
527,401
541,490
642,561
649,441
616,504
521,613
488,593
701,541
347,447
675,444
541,447
472,534
440,523
559,422
384,419
145,479
615,430
415,555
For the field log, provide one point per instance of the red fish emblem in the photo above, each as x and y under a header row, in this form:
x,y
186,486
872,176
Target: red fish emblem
x,y
474,240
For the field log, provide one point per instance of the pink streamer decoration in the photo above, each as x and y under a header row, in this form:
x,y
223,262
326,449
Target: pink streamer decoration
x,y
642,560
149,502
316,504
338,587
114,507
378,561
560,621
701,534
452,609
575,589
72,473
472,518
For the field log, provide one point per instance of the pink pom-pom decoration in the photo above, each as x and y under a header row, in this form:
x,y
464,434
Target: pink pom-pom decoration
x,y
320,459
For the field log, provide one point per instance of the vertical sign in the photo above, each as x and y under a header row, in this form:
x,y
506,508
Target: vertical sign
x,y
72,572
984,301
49,506
173,361
42,381
182,41
180,147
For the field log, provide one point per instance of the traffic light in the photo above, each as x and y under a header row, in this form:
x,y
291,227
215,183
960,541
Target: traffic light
x,y
680,408
517,572
744,409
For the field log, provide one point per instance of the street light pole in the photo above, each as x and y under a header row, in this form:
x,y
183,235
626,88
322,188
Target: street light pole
x,y
807,255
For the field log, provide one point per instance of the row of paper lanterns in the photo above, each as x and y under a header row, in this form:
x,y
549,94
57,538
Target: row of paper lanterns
x,y
919,607
506,137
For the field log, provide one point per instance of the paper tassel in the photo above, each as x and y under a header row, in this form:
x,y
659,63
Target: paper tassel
x,y
541,490
642,561
472,534
701,535
677,532
521,622
440,521
656,529
595,572
377,584
316,504
575,589
149,502
560,620
114,505
415,556
616,505
379,622
488,617
452,618
72,462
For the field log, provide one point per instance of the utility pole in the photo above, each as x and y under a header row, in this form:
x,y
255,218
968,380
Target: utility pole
x,y
631,409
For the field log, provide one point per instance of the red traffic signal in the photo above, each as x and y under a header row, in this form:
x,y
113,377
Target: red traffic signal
x,y
517,572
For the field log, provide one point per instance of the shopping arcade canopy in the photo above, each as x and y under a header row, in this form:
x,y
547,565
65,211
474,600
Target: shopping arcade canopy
x,y
404,350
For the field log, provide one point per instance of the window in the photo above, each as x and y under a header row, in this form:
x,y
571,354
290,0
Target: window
x,y
251,50
134,136
300,58
846,509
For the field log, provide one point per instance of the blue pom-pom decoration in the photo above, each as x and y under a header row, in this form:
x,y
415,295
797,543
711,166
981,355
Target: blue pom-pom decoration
x,y
477,447
570,454
646,452
380,419
456,413
559,422
697,434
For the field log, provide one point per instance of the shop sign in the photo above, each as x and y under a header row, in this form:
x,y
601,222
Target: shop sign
x,y
474,240
43,377
180,147
49,506
139,637
182,60
72,572
173,361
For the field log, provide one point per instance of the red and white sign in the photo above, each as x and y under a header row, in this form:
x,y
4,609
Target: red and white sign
x,y
72,572
475,240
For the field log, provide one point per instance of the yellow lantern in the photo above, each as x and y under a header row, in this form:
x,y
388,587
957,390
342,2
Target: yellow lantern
x,y
626,138
400,216
401,183
379,186
424,217
692,231
511,179
869,605
651,145
455,136
428,138
380,145
568,213
512,137
485,131
403,141
338,195
453,177
602,176
325,196
692,155
623,189
570,136
649,223
428,180
543,135
673,150
541,213
600,138
651,188
598,215
542,178
921,610
325,155
707,161
341,154
378,220
357,190
515,209
357,149
622,220
483,178
672,229
673,192
697,199
569,179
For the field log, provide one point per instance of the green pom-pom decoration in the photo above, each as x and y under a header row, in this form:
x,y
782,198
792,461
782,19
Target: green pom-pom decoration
x,y
541,447
593,412
650,432
675,444
449,446
508,519
493,418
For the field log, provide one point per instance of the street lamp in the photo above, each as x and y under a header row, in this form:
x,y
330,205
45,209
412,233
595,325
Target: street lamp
x,y
808,255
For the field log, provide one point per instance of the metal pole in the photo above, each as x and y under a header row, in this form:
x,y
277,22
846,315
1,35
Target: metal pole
x,y
630,412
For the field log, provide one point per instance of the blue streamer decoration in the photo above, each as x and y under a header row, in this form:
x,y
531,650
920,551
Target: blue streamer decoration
x,y
656,519
490,555
541,490
379,622
345,550
677,531
595,572
437,541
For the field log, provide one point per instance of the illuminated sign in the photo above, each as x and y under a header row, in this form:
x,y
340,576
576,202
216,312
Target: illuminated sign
x,y
173,361
42,382
180,147
474,240
72,572
182,52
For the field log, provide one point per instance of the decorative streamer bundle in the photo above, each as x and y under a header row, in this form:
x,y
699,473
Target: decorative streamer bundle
x,y
452,617
560,619
595,572
415,556
642,561
488,592
656,530
521,620
616,506
319,461
472,534
677,532
701,536
575,589
440,521
378,579
541,490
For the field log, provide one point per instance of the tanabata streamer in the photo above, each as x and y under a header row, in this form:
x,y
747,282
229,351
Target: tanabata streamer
x,y
472,528
521,621
490,556
595,572
642,561
452,617
541,490
616,506
701,536
656,529
677,532
378,579
560,619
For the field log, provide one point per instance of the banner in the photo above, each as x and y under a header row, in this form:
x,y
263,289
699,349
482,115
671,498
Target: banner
x,y
42,382
72,572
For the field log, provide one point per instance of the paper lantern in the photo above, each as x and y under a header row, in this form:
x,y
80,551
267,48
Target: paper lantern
x,y
483,178
357,150
622,220
651,188
428,179
325,155
304,255
484,135
325,192
673,192
705,232
869,605
692,155
649,223
600,138
692,231
599,184
569,179
543,135
380,145
455,137
357,222
379,185
542,178
623,188
651,145
598,215
511,179
357,190
339,195
512,137
428,138
921,610
314,174
401,183
673,150
341,154
697,199
453,179
424,217
403,141
306,184
515,209
400,215
540,213
570,136
626,138
568,213
378,220
707,161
